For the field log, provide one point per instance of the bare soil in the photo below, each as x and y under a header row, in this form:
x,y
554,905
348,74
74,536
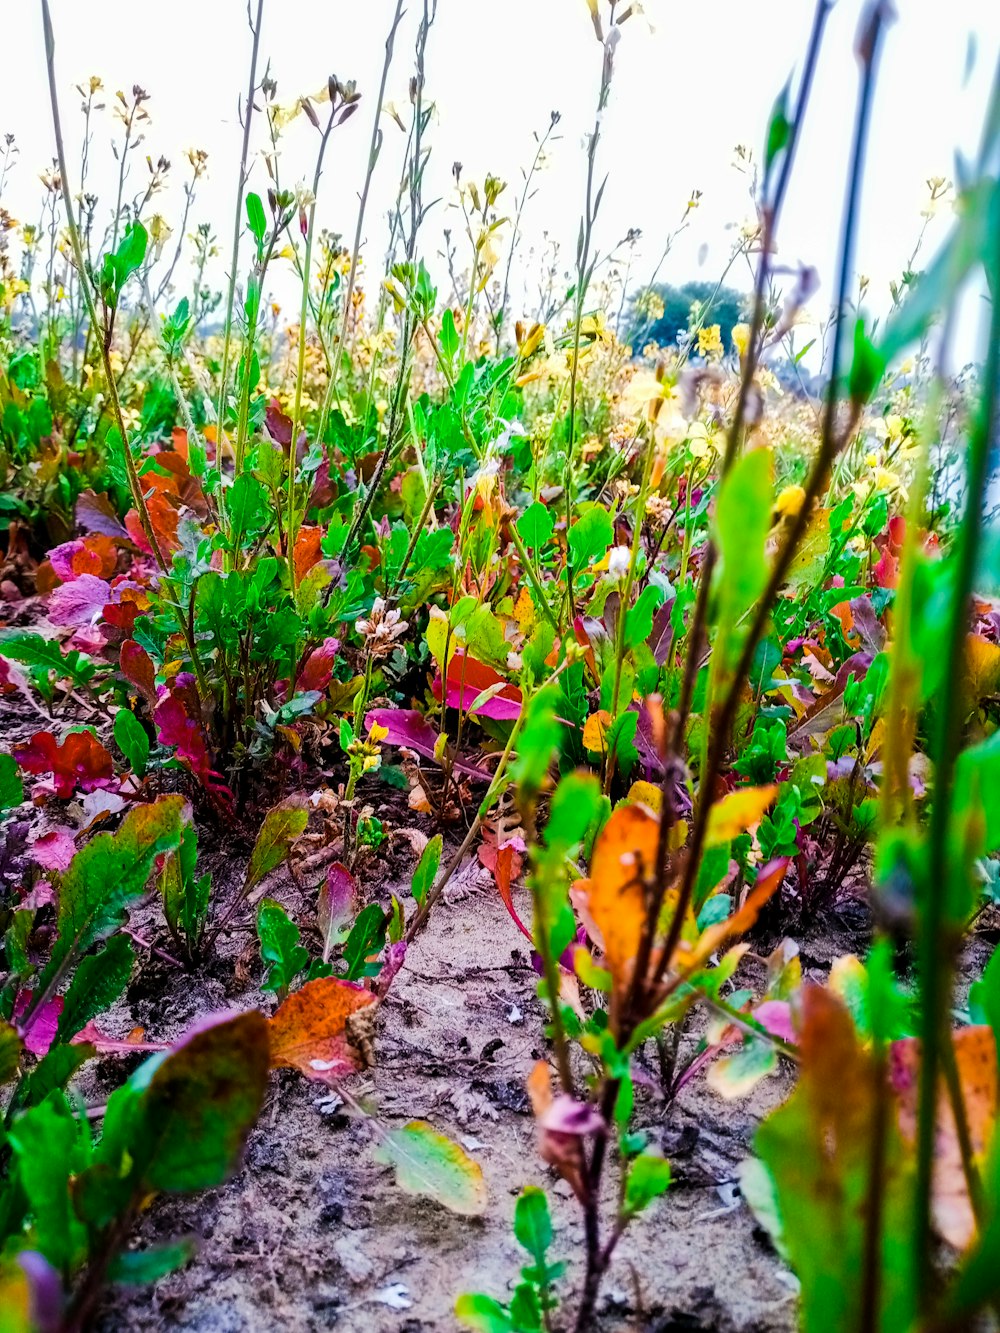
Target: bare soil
x,y
313,1234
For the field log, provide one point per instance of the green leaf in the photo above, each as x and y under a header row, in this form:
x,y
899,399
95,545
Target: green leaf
x,y
448,337
53,1071
197,1104
247,505
50,1148
109,872
279,946
431,1164
131,739
977,780
535,526
256,220
366,940
117,268
282,825
11,786
779,130
639,618
590,536
537,743
427,868
96,984
185,893
743,519
137,1268
131,252
34,651
533,1224
867,367
574,808
648,1178
482,1314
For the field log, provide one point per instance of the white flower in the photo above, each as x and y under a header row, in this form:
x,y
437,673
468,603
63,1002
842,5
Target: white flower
x,y
619,560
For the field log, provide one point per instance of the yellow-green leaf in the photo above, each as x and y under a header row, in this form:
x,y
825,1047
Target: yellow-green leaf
x,y
430,1163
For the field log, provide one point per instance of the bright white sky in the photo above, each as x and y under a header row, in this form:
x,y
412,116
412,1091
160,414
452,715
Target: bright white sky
x,y
685,93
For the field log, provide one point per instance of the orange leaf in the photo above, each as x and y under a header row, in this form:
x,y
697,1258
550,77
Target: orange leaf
x,y
976,1059
768,882
309,1032
624,857
307,551
735,813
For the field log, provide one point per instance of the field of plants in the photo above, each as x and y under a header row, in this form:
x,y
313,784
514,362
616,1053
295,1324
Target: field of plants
x,y
499,813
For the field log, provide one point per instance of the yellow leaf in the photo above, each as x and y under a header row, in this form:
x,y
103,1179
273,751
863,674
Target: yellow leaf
x,y
737,812
524,611
594,730
437,636
645,793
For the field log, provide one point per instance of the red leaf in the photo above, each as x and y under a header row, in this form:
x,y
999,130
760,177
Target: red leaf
x,y
318,669
337,904
41,1031
279,427
93,1036
467,678
505,865
81,761
137,667
178,727
163,517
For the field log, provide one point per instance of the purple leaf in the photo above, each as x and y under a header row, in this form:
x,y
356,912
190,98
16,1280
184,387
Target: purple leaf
x,y
80,602
411,729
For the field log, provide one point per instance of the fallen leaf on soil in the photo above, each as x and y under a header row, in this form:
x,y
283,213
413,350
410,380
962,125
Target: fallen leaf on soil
x,y
80,761
54,850
431,1164
308,1030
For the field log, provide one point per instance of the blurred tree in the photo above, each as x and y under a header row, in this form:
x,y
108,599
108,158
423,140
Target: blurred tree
x,y
657,314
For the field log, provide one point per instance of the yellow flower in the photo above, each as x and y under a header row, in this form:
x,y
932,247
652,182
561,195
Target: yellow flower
x,y
741,338
789,502
710,340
